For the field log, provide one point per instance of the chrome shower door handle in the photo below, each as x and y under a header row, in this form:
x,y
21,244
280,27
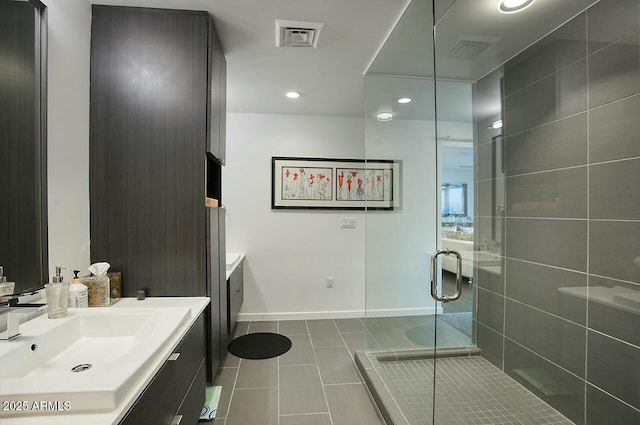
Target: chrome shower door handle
x,y
434,267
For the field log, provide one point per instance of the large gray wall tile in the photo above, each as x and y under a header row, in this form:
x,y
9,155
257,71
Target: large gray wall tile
x,y
560,243
562,47
350,404
610,21
263,411
541,102
614,71
561,194
555,386
337,366
491,277
301,390
490,310
617,122
572,89
557,145
489,196
604,409
541,287
614,308
556,339
556,96
490,342
614,249
490,159
615,367
614,190
514,114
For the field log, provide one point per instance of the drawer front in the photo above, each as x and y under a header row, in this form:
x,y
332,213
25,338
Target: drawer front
x,y
191,406
157,404
161,399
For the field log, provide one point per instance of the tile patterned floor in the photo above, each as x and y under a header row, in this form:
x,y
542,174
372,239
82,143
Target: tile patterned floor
x,y
314,383
469,391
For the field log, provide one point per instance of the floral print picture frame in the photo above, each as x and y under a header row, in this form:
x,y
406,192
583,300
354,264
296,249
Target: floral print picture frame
x,y
330,183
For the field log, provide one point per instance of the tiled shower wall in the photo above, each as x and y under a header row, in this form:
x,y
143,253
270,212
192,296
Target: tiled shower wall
x,y
559,207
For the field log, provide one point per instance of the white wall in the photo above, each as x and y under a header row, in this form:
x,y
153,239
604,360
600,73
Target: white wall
x,y
290,252
68,133
401,242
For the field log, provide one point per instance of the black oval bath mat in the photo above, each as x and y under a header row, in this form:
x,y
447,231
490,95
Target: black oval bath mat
x,y
259,345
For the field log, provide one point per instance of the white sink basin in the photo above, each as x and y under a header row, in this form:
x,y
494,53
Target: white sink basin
x,y
115,343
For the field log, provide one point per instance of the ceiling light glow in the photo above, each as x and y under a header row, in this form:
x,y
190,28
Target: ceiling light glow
x,y
513,6
495,125
404,100
384,116
293,95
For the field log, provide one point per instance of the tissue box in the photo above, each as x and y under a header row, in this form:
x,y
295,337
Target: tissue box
x,y
99,293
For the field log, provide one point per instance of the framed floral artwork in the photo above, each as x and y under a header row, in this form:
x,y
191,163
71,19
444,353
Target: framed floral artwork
x,y
328,183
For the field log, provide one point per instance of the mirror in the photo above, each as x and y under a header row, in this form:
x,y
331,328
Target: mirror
x,y
23,187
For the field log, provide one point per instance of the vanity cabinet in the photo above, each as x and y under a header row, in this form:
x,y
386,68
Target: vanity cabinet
x,y
178,389
156,111
235,287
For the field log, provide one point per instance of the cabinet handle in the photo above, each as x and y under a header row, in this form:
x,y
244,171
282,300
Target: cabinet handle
x,y
173,357
176,420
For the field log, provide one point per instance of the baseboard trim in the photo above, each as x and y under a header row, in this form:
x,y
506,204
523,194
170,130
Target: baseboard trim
x,y
348,314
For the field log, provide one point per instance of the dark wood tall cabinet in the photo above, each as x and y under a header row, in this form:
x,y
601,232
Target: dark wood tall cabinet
x,y
157,88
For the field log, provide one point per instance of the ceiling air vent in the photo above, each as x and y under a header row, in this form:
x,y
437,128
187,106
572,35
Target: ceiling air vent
x,y
469,46
297,33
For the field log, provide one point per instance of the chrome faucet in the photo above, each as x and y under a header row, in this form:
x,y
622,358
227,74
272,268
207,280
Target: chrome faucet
x,y
13,318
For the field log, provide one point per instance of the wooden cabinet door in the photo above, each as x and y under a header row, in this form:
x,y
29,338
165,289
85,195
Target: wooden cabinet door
x,y
148,139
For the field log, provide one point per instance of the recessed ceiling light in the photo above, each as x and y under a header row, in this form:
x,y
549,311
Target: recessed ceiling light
x,y
404,100
513,6
293,95
384,116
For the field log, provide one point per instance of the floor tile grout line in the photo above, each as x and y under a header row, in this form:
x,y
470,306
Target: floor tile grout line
x,y
343,383
255,388
324,392
306,414
366,388
233,389
298,364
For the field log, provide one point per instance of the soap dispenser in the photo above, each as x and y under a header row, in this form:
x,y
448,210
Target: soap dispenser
x,y
78,293
6,288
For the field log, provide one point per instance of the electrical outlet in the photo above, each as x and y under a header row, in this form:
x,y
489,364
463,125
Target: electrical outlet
x,y
329,280
347,222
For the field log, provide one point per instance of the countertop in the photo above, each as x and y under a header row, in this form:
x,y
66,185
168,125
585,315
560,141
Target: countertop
x,y
197,306
233,261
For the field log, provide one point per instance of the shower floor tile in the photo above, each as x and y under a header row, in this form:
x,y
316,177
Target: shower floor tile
x,y
469,390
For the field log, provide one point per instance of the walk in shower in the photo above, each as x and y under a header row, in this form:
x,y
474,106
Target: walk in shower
x,y
516,138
